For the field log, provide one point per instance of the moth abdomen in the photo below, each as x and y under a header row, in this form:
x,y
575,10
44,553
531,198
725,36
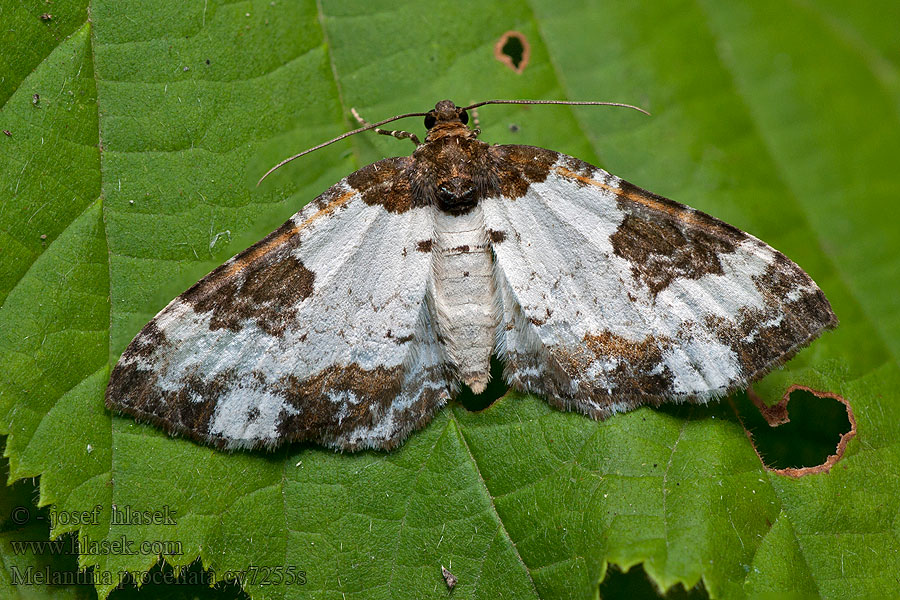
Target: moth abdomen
x,y
463,290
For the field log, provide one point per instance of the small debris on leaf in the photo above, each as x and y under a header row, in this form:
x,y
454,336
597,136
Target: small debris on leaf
x,y
449,578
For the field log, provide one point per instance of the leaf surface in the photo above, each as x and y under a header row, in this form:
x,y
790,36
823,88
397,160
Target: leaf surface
x,y
134,174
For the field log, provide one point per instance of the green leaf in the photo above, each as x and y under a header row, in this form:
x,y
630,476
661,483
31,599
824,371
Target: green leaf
x,y
134,174
33,566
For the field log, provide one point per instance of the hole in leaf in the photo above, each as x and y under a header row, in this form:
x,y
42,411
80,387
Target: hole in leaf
x,y
805,433
496,388
513,50
635,585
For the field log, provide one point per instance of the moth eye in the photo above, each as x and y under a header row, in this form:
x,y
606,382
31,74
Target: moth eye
x,y
429,121
464,117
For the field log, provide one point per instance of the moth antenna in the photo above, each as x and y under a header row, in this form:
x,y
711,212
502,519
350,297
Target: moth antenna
x,y
422,114
566,102
337,139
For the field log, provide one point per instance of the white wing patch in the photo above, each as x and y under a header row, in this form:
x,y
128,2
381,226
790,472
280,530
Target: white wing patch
x,y
613,297
316,333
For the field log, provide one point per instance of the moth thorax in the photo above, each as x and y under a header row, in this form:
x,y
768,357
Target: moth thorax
x,y
464,293
457,195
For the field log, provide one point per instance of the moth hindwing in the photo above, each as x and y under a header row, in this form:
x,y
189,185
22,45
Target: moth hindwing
x,y
362,315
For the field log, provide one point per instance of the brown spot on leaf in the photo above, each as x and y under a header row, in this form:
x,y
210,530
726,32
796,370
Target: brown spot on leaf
x,y
775,415
513,50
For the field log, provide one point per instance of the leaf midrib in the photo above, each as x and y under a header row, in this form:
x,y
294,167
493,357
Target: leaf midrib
x,y
490,497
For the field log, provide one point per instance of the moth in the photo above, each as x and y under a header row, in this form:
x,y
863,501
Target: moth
x,y
353,323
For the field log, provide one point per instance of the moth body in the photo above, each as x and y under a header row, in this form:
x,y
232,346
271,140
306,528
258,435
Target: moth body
x,y
464,294
452,172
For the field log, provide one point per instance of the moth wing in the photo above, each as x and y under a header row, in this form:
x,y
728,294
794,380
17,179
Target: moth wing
x,y
318,332
613,297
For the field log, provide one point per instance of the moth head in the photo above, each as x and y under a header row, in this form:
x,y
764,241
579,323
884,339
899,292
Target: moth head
x,y
453,119
445,112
